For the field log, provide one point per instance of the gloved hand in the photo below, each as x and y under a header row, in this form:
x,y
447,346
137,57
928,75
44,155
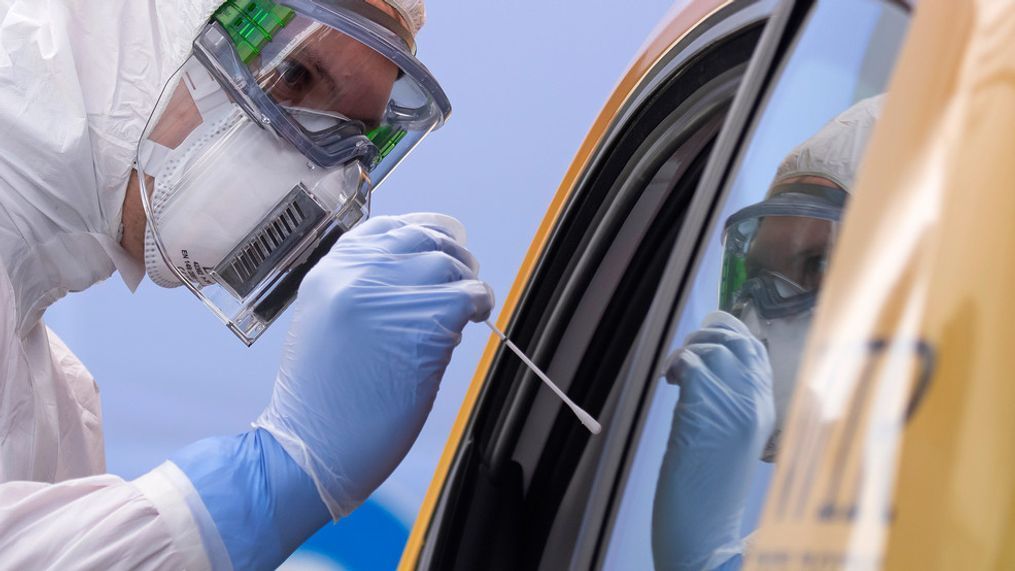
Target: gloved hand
x,y
373,329
374,326
722,420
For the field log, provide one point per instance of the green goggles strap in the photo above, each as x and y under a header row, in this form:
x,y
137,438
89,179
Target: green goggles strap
x,y
386,138
734,274
251,24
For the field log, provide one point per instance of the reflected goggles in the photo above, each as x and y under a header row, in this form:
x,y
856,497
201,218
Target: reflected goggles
x,y
776,252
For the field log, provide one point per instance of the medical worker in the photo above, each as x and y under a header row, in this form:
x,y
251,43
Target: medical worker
x,y
737,373
228,147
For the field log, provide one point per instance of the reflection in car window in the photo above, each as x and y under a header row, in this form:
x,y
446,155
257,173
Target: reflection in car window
x,y
703,461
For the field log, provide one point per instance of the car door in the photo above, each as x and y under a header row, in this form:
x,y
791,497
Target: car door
x,y
627,267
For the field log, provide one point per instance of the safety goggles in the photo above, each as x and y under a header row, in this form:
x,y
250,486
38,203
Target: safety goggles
x,y
776,252
337,79
268,142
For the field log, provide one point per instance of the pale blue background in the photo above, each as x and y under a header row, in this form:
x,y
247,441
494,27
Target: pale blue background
x,y
527,79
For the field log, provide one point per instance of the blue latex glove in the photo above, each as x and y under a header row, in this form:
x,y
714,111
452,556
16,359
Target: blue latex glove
x,y
721,423
263,504
373,329
374,326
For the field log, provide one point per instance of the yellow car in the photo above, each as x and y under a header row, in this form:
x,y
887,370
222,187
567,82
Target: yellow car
x,y
627,263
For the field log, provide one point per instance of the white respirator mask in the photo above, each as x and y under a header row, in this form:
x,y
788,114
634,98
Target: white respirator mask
x,y
784,339
200,227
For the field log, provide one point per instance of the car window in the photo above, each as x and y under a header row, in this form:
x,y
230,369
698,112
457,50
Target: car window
x,y
696,482
519,485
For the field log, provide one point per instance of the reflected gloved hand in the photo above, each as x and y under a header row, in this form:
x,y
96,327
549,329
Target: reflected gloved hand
x,y
721,423
374,326
373,329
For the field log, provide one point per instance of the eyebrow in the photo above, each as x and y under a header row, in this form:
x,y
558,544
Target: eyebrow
x,y
316,61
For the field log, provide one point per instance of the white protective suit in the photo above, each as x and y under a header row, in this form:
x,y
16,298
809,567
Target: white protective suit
x,y
78,81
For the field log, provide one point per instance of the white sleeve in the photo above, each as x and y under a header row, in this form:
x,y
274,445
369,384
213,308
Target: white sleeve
x,y
104,522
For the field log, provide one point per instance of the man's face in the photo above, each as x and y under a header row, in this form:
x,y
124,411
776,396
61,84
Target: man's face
x,y
793,246
796,247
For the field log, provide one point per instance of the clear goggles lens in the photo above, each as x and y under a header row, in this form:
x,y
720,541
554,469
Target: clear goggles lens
x,y
340,88
264,147
776,253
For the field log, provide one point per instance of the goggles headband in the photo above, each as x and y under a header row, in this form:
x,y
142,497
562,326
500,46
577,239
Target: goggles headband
x,y
251,24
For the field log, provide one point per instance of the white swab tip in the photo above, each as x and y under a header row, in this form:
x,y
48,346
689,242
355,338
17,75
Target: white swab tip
x,y
585,418
589,422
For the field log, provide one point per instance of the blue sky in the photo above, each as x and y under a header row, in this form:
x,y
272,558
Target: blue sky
x,y
526,80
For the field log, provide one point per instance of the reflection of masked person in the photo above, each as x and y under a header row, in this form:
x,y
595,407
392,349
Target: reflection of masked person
x,y
774,259
737,373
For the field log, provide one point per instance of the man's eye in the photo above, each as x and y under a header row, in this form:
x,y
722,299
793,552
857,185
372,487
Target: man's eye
x,y
814,271
295,76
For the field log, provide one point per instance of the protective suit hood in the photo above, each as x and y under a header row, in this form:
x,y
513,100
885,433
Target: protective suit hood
x,y
78,81
836,150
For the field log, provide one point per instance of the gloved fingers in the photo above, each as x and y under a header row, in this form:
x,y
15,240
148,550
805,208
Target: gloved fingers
x,y
745,347
413,238
375,225
443,223
724,320
688,371
429,268
466,300
717,361
455,249
483,300
682,364
677,366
